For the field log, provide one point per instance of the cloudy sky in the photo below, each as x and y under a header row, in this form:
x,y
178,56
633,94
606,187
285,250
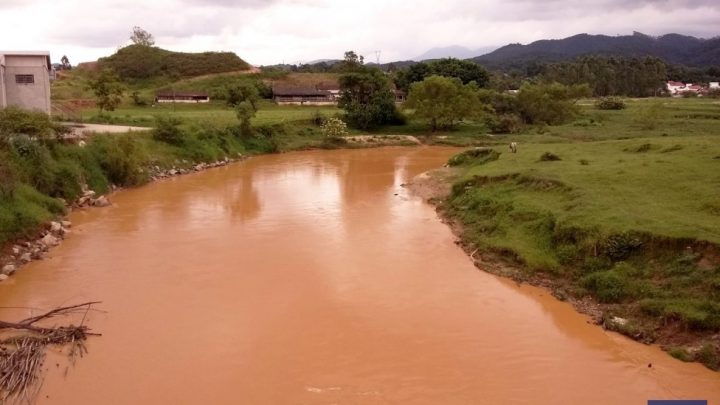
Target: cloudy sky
x,y
273,31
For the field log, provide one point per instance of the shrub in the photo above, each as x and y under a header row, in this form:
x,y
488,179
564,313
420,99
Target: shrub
x,y
504,124
610,103
120,157
620,246
334,128
167,129
709,355
550,104
474,156
137,100
318,118
14,121
549,157
608,286
8,180
680,354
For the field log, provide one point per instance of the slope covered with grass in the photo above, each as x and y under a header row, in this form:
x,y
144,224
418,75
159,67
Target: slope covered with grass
x,y
635,224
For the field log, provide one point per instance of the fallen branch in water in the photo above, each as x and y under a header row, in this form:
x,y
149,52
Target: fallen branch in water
x,y
23,352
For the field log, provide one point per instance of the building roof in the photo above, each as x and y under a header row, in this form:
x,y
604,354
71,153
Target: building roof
x,y
172,93
672,83
46,54
298,91
328,86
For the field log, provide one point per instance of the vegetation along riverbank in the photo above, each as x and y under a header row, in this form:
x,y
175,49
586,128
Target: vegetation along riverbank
x,y
628,230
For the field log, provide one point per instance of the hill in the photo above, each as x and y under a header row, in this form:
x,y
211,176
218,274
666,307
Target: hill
x,y
143,62
673,48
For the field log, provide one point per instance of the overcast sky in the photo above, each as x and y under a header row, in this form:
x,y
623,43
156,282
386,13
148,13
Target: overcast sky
x,y
273,31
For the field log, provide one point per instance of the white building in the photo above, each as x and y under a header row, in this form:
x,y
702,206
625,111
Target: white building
x,y
714,85
675,87
25,80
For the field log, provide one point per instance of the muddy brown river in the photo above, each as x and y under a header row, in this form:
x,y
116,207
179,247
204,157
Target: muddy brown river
x,y
315,278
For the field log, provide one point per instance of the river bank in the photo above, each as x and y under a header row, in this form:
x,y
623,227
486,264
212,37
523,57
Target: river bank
x,y
645,284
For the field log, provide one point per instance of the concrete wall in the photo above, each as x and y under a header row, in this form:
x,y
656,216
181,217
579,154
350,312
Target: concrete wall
x,y
35,96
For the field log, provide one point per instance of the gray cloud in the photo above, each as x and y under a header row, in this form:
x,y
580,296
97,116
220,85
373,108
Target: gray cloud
x,y
268,31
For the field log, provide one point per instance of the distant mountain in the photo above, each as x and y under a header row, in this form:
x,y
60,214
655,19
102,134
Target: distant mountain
x,y
459,52
316,61
673,48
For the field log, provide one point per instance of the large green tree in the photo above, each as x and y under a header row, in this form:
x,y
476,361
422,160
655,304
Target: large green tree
x,y
465,70
443,101
108,90
551,103
367,98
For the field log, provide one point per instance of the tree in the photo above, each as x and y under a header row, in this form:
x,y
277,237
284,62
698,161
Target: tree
x,y
443,101
108,90
245,112
550,104
465,70
65,62
141,37
238,93
366,97
351,61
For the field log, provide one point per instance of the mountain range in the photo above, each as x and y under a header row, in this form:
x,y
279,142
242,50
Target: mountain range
x,y
673,48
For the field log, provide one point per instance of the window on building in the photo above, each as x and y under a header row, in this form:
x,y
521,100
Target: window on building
x,y
25,79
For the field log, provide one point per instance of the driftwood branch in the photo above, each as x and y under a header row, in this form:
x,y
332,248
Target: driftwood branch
x,y
22,349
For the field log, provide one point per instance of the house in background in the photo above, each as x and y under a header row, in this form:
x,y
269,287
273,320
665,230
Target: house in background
x,y
302,95
675,87
332,88
25,80
172,96
714,85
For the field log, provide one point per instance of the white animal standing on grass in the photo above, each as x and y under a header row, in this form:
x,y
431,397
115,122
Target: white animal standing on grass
x,y
513,147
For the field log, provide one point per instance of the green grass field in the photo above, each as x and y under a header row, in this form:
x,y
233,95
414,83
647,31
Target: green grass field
x,y
625,213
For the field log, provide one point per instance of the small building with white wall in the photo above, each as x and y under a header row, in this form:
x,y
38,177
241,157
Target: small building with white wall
x,y
714,85
172,96
25,80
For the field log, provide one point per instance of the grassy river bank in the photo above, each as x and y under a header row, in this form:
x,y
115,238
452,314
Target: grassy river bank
x,y
628,230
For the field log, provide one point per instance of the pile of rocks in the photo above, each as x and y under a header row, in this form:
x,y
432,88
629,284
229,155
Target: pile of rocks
x,y
156,172
88,199
28,251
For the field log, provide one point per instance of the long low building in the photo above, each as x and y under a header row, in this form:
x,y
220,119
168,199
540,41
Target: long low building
x,y
25,80
302,95
171,96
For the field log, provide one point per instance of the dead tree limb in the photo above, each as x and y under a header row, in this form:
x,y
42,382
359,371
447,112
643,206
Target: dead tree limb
x,y
22,349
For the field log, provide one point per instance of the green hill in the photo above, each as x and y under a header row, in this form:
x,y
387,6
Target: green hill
x,y
136,62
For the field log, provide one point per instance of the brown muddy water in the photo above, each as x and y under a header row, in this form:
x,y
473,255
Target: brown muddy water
x,y
315,278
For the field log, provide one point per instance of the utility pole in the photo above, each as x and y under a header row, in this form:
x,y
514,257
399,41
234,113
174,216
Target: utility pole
x,y
377,57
